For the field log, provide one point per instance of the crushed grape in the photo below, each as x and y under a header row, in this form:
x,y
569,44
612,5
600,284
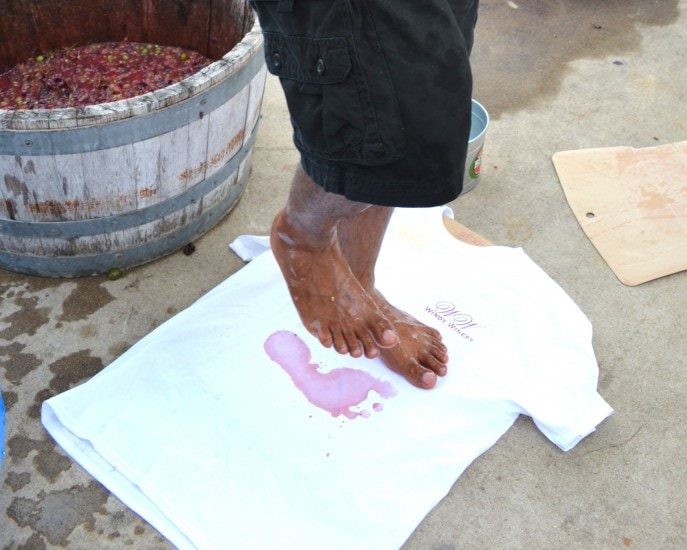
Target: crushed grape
x,y
97,73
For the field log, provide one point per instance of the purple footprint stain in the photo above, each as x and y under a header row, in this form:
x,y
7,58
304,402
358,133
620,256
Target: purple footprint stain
x,y
336,391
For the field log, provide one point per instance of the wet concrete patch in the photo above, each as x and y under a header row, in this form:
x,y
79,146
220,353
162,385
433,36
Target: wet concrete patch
x,y
67,372
35,542
55,515
72,369
48,462
529,44
17,480
10,281
28,309
87,297
88,331
117,349
27,319
10,398
16,363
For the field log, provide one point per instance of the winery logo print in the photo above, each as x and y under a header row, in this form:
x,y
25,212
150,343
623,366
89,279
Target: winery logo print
x,y
460,322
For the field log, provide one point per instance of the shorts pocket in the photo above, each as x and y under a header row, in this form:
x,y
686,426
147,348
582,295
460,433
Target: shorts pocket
x,y
329,99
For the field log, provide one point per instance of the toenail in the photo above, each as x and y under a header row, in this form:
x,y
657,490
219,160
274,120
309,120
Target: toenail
x,y
428,378
390,336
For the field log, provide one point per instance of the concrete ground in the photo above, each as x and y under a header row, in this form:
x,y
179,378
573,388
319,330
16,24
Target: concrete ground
x,y
555,75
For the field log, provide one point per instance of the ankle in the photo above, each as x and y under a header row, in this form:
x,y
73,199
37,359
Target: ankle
x,y
367,281
292,232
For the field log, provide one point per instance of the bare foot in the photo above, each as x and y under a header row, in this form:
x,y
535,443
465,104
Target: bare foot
x,y
420,354
332,304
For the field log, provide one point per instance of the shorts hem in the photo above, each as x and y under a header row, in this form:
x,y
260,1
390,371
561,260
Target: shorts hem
x,y
342,179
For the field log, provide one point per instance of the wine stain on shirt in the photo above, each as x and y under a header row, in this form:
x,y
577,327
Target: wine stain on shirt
x,y
338,391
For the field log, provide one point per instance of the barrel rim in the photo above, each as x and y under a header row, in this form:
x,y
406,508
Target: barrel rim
x,y
91,115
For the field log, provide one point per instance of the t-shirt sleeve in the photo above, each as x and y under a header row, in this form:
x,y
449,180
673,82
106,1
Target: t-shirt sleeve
x,y
564,403
558,386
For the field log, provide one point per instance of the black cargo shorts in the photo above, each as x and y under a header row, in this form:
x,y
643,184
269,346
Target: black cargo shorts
x,y
378,92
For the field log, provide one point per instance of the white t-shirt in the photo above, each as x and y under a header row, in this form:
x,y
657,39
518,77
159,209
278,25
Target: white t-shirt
x,y
231,427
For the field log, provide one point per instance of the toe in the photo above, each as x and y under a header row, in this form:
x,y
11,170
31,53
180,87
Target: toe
x,y
324,336
325,339
338,339
433,363
435,334
429,379
420,376
369,347
386,338
437,355
352,343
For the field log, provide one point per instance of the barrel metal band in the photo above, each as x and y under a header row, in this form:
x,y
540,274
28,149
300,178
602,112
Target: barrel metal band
x,y
133,218
137,128
94,264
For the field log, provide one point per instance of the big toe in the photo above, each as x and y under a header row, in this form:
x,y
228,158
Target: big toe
x,y
420,376
428,380
388,338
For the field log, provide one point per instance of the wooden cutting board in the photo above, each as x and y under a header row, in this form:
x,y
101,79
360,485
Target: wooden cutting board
x,y
632,205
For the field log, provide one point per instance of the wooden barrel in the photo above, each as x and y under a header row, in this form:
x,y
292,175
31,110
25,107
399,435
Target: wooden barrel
x,y
84,190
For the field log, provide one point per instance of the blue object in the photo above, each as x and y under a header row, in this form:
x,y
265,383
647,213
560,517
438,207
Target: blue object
x,y
2,428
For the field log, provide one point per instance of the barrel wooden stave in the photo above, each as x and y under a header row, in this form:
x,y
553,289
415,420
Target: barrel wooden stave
x,y
69,213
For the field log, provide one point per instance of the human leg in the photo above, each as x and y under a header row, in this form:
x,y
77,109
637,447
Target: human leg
x,y
330,301
368,135
420,354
